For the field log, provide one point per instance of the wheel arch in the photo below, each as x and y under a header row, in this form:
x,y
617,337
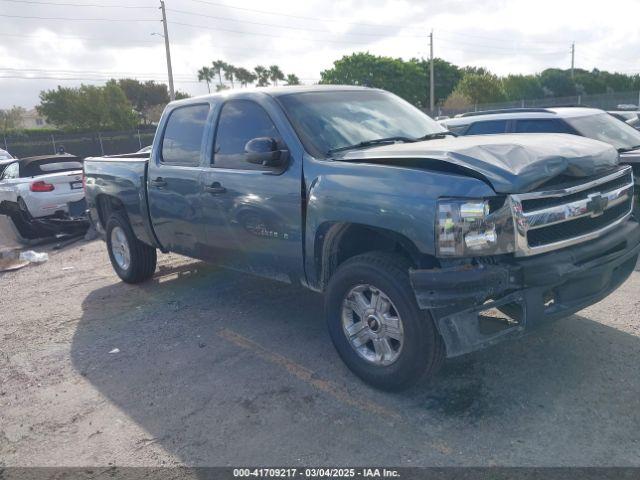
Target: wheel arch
x,y
336,242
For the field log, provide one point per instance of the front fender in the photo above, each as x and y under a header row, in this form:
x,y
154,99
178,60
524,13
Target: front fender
x,y
397,199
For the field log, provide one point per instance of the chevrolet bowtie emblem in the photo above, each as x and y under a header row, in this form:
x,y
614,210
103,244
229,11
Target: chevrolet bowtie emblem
x,y
597,204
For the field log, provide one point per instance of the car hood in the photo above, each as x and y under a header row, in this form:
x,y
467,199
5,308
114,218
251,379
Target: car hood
x,y
511,163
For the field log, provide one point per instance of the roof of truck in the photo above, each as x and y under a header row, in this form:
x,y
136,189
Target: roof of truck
x,y
277,91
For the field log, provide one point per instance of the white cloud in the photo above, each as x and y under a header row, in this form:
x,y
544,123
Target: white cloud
x,y
517,36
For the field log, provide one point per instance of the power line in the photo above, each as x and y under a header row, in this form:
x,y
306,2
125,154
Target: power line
x,y
301,17
69,37
68,19
54,4
290,27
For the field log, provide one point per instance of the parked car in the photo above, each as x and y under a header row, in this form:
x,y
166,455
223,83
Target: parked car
x,y
630,118
43,195
425,245
586,122
5,159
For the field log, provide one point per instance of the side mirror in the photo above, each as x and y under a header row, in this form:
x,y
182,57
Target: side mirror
x,y
264,151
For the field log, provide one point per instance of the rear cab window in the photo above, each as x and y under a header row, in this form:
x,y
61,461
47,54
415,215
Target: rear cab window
x,y
182,139
487,128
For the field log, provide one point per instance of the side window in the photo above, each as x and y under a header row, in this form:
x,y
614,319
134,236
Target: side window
x,y
486,128
182,139
241,121
12,171
541,126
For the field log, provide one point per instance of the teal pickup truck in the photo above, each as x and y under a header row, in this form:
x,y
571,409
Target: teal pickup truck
x,y
425,245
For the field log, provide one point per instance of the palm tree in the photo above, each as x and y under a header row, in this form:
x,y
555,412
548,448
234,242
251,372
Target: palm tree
x,y
292,79
244,76
262,75
218,67
205,74
275,74
229,73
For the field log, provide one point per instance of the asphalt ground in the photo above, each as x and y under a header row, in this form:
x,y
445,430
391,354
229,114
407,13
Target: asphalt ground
x,y
213,368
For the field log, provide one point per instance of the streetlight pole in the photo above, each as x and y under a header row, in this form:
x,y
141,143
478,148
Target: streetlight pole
x,y
431,79
172,93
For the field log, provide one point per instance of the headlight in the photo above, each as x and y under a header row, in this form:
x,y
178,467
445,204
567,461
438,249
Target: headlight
x,y
474,227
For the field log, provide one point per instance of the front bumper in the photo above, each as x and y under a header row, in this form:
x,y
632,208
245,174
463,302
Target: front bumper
x,y
475,306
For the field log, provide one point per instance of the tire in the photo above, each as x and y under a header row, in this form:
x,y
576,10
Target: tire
x,y
138,262
420,351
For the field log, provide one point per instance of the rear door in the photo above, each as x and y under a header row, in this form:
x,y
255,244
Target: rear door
x,y
173,180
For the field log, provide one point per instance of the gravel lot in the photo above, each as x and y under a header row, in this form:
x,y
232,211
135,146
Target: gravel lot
x,y
218,368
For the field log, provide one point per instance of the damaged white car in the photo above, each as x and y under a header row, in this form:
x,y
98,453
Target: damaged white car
x,y
44,195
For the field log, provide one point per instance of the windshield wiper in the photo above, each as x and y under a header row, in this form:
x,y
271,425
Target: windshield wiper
x,y
623,150
381,141
372,143
433,136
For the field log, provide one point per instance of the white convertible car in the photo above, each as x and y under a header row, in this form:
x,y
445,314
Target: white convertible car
x,y
43,186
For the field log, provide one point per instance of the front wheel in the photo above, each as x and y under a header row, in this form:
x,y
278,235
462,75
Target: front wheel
x,y
376,325
133,260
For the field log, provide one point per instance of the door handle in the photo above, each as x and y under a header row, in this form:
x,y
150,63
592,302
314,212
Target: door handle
x,y
215,188
158,182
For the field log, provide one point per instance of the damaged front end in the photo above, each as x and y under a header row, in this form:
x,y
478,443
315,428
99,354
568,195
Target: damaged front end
x,y
569,248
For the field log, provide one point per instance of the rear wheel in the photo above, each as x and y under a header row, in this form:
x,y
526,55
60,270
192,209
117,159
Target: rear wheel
x,y
133,260
376,325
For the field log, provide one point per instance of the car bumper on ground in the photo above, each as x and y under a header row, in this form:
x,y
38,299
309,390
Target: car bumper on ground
x,y
475,306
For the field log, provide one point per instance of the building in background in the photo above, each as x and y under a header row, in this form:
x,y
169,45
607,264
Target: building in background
x,y
31,120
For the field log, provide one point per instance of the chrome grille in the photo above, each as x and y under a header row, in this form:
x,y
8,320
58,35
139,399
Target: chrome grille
x,y
551,220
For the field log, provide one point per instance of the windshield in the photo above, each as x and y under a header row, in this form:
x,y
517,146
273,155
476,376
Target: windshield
x,y
330,120
607,129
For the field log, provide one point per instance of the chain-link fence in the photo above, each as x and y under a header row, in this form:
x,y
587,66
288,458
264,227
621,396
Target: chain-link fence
x,y
605,101
28,144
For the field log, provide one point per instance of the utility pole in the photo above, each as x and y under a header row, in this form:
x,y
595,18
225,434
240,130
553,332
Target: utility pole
x,y
431,78
172,93
573,56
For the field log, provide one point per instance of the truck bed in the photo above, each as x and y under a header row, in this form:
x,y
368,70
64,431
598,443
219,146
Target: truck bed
x,y
122,177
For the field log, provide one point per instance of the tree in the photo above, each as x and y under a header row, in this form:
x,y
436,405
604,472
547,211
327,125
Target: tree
x,y
481,88
229,73
292,79
244,76
406,79
11,119
557,82
205,74
218,67
457,101
447,75
522,87
88,107
275,74
144,95
262,75
181,95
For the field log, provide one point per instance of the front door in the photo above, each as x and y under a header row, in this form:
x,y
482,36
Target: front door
x,y
252,212
174,182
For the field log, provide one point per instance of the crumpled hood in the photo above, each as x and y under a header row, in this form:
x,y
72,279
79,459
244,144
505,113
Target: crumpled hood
x,y
511,163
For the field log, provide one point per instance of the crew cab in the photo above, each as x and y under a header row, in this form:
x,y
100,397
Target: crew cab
x,y
425,245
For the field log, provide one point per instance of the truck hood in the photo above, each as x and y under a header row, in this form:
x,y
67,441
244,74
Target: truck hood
x,y
511,163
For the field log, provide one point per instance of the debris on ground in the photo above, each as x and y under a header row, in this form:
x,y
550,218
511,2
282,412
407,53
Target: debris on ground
x,y
34,257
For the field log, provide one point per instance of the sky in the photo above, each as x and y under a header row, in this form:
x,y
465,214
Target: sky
x,y
45,43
